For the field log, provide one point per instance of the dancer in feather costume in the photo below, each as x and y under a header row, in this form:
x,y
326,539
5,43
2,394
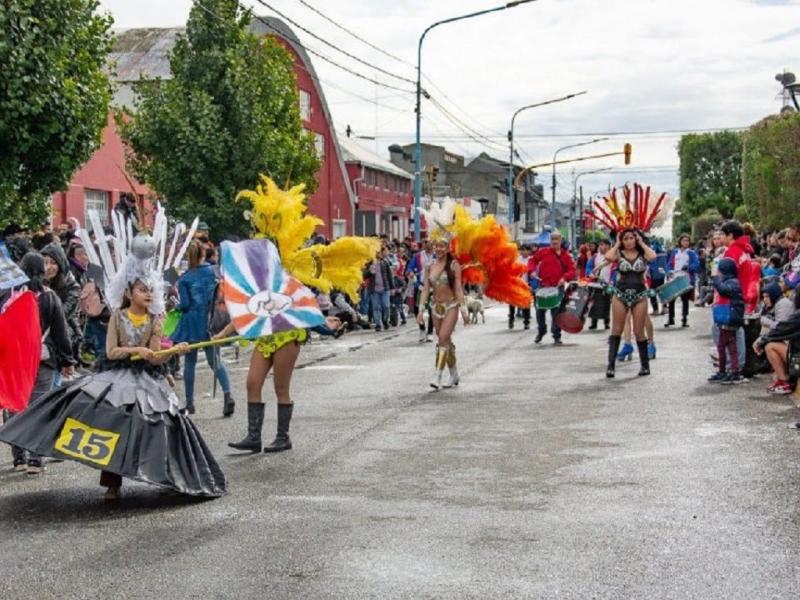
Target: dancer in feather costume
x,y
264,289
468,251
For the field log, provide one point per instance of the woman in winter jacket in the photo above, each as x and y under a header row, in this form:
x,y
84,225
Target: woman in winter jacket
x,y
196,290
778,343
56,349
61,280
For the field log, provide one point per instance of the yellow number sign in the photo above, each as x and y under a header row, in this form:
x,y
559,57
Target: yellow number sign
x,y
86,443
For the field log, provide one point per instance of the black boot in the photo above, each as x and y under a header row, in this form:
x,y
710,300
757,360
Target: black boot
x,y
644,358
255,420
228,405
593,326
613,348
282,441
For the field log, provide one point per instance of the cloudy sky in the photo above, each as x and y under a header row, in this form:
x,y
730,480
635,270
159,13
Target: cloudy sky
x,y
651,68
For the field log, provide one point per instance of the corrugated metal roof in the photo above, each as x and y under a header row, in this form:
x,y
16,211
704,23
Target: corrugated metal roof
x,y
355,152
143,52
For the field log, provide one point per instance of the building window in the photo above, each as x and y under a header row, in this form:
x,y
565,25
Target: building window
x,y
305,105
95,200
319,144
339,228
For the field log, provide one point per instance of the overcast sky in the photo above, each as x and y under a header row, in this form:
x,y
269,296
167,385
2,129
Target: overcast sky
x,y
648,66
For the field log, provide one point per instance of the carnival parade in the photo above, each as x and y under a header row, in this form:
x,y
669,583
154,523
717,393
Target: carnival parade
x,y
410,300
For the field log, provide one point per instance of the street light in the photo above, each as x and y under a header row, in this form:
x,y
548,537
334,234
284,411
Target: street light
x,y
575,179
555,155
418,146
512,196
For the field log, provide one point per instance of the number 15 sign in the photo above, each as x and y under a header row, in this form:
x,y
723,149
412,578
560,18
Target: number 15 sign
x,y
86,443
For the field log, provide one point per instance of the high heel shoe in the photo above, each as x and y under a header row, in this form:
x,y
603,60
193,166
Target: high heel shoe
x,y
626,353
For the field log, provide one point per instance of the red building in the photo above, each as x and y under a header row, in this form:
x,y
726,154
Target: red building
x,y
383,192
98,183
144,53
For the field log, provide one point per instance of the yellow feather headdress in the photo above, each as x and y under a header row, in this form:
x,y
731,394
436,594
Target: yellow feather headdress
x,y
281,215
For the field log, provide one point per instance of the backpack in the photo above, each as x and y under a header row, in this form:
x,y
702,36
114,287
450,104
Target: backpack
x,y
91,302
218,317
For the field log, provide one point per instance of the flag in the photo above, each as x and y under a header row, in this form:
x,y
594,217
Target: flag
x,y
20,351
261,296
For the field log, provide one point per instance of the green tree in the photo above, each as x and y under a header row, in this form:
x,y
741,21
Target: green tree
x,y
229,113
54,96
711,165
771,172
704,223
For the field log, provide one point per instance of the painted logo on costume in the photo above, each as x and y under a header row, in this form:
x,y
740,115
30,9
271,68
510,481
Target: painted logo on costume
x,y
269,304
81,441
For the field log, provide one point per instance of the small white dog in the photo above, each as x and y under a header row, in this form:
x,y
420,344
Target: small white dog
x,y
475,308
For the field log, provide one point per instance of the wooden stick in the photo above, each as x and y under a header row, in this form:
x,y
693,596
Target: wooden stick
x,y
195,346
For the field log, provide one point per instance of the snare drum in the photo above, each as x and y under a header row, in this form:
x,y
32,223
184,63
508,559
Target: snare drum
x,y
573,311
548,298
677,285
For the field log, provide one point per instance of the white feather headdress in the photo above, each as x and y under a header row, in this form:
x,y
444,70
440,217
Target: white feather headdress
x,y
135,258
440,219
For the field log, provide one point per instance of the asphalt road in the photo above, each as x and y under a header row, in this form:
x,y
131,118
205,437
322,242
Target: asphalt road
x,y
536,478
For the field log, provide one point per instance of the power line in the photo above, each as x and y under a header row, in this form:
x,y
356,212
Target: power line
x,y
329,44
307,49
663,133
353,34
392,56
472,133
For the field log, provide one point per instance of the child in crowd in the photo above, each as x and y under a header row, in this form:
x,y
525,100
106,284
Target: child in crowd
x,y
728,311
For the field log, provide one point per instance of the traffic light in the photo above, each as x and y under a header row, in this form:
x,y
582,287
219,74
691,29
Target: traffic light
x,y
627,150
433,172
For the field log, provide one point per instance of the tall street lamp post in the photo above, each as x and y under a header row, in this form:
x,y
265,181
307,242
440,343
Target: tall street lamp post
x,y
512,195
418,147
555,155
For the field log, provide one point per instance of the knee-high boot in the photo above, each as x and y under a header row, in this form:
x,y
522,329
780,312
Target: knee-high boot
x,y
644,358
441,363
613,348
255,421
282,441
451,363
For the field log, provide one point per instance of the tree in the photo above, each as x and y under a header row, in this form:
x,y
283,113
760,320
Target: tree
x,y
705,223
711,165
771,173
54,96
229,113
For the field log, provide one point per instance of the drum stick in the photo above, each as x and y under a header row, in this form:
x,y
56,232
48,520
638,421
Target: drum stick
x,y
195,346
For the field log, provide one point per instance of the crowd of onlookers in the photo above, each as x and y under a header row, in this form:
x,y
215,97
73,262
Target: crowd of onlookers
x,y
748,278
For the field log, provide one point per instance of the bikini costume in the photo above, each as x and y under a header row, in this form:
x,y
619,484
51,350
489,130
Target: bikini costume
x,y
630,287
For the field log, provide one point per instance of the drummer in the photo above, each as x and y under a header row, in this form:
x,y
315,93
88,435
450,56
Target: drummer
x,y
598,270
683,260
554,268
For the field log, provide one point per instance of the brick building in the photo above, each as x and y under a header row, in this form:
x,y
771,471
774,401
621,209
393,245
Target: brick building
x,y
144,53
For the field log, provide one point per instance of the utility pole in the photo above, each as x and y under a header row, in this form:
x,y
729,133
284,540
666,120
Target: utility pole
x,y
418,143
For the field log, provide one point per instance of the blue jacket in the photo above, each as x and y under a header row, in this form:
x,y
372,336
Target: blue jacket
x,y
694,264
659,267
729,291
196,291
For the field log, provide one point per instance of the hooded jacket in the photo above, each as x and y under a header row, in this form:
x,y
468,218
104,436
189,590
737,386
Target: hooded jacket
x,y
728,291
65,287
552,267
741,252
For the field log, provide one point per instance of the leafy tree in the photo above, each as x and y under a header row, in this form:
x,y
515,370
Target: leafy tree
x,y
54,96
771,174
710,171
704,223
229,113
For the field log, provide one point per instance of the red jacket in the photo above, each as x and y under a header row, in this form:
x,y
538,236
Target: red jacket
x,y
552,267
748,275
